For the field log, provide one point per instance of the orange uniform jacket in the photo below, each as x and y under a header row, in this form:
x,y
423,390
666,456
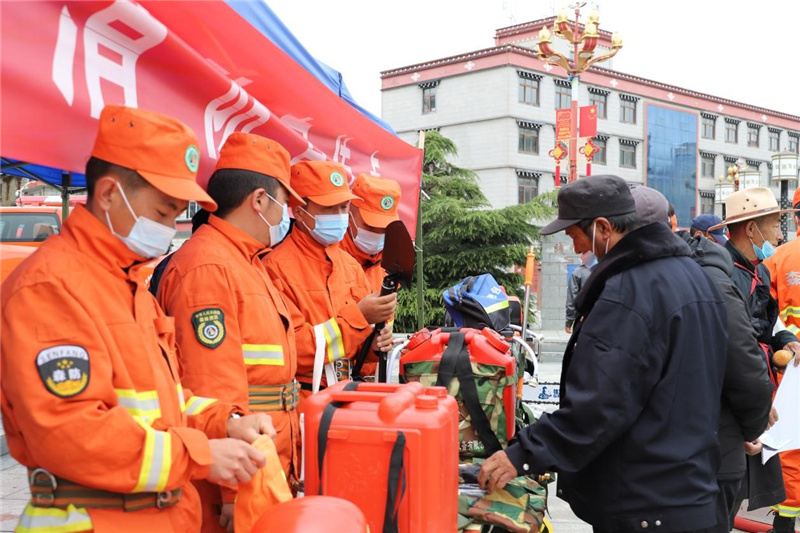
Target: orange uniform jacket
x,y
90,385
217,274
323,287
784,269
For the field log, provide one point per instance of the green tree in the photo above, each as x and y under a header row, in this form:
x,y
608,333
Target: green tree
x,y
463,236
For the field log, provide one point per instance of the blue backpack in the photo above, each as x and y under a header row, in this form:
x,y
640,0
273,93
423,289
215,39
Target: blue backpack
x,y
478,302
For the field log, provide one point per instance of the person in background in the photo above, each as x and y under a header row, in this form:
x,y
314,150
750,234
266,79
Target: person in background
x,y
753,221
702,223
673,218
576,282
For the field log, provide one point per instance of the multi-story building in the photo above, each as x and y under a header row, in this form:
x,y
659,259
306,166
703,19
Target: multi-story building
x,y
499,105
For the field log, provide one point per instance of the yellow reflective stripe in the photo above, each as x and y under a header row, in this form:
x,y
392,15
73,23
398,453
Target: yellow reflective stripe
x,y
141,405
263,354
156,461
790,311
787,511
181,398
496,307
198,404
333,340
43,520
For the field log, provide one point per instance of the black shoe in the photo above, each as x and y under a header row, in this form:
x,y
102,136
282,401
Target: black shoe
x,y
782,524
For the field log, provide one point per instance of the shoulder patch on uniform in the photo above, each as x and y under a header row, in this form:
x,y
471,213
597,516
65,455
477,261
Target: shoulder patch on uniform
x,y
209,326
64,369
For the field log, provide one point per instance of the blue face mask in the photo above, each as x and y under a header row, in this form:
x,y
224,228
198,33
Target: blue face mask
x,y
277,232
766,249
328,229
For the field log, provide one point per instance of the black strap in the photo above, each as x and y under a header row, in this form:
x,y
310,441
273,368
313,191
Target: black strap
x,y
322,436
453,361
397,480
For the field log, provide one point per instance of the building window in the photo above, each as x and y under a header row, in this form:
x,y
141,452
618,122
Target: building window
x,y
428,100
793,143
601,101
731,132
601,144
528,140
529,91
709,124
528,187
707,166
706,202
563,96
627,111
774,140
627,155
752,135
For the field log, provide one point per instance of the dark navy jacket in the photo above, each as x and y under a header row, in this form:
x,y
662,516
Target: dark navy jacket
x,y
635,437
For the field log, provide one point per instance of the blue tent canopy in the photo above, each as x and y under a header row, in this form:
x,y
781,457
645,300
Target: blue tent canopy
x,y
261,17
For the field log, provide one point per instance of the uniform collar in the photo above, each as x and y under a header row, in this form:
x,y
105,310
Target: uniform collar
x,y
349,246
97,244
245,243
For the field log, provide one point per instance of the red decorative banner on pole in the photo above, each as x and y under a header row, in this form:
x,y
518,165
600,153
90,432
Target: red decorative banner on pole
x,y
589,149
563,117
588,116
558,153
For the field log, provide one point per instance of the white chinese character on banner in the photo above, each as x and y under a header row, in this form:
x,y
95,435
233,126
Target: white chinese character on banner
x,y
342,153
236,110
303,126
376,165
123,31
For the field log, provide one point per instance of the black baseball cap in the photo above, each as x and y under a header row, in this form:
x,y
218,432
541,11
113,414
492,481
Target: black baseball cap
x,y
588,198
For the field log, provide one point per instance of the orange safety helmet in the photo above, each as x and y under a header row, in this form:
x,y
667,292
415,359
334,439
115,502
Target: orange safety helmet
x,y
313,514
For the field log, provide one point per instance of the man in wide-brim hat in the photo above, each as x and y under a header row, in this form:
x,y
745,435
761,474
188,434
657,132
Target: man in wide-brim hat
x,y
753,220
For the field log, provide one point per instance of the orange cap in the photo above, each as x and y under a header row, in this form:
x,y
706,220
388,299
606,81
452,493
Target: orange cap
x,y
378,199
163,150
796,199
247,151
322,182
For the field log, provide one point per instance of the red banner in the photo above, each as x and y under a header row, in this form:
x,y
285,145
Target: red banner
x,y
563,117
197,61
588,126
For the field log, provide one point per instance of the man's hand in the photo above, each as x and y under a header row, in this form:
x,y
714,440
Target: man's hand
x,y
377,308
567,329
383,340
235,462
752,448
226,517
249,428
773,417
496,472
794,347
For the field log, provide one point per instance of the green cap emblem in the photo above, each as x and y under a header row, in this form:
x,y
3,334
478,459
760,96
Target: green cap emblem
x,y
387,202
192,158
337,179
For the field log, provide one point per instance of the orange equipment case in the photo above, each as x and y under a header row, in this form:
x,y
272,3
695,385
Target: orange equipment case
x,y
390,449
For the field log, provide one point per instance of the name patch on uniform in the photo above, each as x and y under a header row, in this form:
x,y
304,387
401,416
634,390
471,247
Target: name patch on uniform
x,y
64,370
209,326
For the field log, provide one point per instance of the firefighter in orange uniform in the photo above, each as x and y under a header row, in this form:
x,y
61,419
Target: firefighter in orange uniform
x,y
784,270
375,209
332,307
233,328
92,401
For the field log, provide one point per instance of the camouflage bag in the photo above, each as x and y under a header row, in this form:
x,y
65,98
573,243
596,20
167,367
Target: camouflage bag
x,y
519,507
478,370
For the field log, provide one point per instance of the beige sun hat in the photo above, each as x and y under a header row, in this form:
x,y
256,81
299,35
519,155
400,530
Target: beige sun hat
x,y
748,204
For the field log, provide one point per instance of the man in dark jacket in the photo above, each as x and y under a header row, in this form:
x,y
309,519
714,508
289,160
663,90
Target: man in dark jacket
x,y
634,440
753,230
574,285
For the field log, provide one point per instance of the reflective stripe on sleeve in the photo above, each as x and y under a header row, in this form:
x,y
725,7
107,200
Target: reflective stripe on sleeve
x,y
156,461
41,520
181,398
333,340
263,354
198,404
141,405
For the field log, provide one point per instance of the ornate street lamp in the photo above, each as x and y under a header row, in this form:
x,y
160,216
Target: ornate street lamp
x,y
584,45
723,189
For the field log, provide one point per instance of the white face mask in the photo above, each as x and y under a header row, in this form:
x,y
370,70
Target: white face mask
x,y
369,242
277,232
147,238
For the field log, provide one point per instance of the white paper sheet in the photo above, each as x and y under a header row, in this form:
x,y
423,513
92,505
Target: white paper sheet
x,y
785,434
